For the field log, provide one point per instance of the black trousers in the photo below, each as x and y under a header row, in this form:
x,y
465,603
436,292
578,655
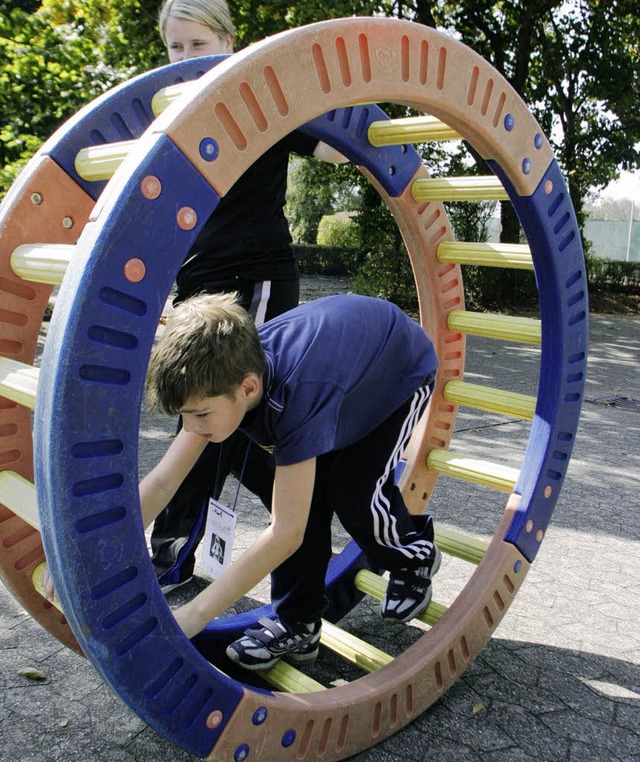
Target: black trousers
x,y
178,530
358,485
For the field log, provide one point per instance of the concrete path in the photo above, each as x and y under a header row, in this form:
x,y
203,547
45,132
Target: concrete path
x,y
560,680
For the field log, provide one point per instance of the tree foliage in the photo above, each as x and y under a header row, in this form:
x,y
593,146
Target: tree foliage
x,y
256,19
575,62
61,56
339,229
586,81
316,189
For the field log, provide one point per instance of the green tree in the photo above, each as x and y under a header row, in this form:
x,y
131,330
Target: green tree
x,y
60,57
386,270
587,81
257,19
339,229
576,63
316,189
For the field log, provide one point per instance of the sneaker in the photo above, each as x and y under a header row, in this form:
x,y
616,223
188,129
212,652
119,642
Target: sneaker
x,y
409,591
170,586
264,646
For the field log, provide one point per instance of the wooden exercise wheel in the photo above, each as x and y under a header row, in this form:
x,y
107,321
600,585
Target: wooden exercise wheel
x,y
119,262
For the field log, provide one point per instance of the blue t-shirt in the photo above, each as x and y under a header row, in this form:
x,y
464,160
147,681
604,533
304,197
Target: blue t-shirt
x,y
336,368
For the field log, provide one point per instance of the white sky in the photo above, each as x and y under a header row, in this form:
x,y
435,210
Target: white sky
x,y
628,186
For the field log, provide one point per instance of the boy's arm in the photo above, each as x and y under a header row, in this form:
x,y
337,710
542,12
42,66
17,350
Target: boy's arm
x,y
292,491
158,486
161,483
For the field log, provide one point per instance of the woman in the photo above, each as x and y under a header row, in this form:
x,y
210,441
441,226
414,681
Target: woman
x,y
244,247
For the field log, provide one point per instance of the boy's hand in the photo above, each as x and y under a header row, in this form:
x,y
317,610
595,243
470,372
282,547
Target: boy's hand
x,y
47,584
292,492
43,584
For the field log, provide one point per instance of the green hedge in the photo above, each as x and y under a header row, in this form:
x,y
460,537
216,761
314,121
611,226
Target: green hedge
x,y
613,275
486,288
327,260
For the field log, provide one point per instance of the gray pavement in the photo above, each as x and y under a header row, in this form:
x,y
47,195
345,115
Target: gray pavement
x,y
560,679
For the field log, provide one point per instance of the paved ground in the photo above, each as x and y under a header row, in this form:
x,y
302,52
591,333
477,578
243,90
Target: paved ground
x,y
560,680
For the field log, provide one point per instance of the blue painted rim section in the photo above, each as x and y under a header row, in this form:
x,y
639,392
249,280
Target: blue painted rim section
x,y
94,365
550,224
93,369
346,130
122,113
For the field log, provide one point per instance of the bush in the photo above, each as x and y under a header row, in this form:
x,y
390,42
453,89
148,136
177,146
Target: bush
x,y
387,277
612,275
499,289
326,260
339,230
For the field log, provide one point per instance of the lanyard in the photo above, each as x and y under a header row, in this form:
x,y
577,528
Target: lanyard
x,y
244,465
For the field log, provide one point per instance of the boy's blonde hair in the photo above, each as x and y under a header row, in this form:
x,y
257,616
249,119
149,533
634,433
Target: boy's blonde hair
x,y
209,345
211,13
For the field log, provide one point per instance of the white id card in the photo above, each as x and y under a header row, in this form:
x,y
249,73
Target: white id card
x,y
218,539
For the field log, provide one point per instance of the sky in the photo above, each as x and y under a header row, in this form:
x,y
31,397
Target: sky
x,y
628,186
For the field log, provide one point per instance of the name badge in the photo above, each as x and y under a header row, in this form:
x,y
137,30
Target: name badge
x,y
217,546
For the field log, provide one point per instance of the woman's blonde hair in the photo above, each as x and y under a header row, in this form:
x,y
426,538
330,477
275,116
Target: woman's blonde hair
x,y
211,13
209,345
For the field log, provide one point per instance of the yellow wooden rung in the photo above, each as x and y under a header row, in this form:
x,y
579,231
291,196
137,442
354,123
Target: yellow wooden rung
x,y
19,495
42,262
504,327
474,470
413,129
512,255
165,97
286,678
489,399
375,586
468,188
18,382
100,162
358,652
460,545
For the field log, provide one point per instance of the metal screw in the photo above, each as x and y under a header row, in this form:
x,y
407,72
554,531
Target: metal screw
x,y
67,222
36,198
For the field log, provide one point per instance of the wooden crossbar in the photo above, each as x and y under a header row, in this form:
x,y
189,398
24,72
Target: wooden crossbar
x,y
100,162
167,95
42,262
460,545
19,495
413,129
18,382
515,256
492,400
473,470
468,188
504,327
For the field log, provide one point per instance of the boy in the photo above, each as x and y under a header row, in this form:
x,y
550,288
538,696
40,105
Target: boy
x,y
335,387
243,247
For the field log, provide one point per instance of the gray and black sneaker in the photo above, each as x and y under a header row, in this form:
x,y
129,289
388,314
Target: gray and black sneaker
x,y
263,647
171,586
409,591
